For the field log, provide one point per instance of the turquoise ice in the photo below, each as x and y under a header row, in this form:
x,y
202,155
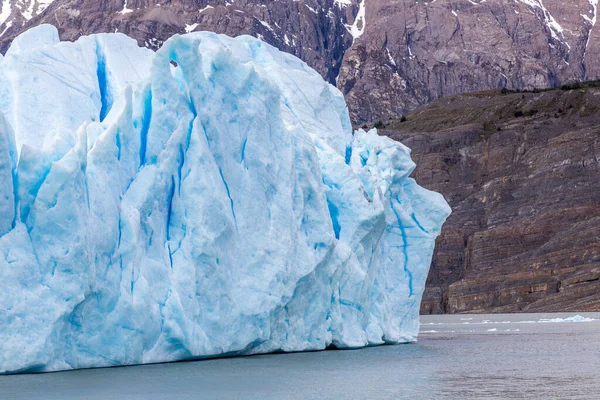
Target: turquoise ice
x,y
207,199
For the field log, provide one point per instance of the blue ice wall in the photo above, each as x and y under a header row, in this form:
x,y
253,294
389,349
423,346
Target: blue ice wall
x,y
207,199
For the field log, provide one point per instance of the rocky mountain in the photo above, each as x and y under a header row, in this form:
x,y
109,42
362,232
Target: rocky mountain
x,y
387,56
313,30
427,50
15,14
521,172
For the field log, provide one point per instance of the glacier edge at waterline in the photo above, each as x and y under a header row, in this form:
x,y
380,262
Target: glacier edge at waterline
x,y
207,199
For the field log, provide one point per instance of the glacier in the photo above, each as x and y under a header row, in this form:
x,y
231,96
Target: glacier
x,y
207,199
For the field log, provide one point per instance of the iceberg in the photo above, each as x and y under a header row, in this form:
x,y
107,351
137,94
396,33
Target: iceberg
x,y
207,199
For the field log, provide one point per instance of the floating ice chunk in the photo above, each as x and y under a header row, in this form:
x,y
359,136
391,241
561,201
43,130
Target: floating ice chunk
x,y
575,318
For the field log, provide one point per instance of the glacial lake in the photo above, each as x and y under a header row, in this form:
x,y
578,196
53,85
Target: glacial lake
x,y
524,356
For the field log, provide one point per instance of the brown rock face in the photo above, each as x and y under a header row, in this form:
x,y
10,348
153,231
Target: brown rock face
x,y
521,172
413,51
14,14
387,56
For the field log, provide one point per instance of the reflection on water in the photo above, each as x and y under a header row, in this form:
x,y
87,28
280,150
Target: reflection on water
x,y
526,356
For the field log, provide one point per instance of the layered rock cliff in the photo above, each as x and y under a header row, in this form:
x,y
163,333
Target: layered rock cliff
x,y
521,172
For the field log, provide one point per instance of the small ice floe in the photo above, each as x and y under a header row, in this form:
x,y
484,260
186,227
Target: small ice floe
x,y
492,330
469,321
432,331
575,318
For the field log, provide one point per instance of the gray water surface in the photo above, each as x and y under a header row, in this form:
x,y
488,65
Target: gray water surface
x,y
525,356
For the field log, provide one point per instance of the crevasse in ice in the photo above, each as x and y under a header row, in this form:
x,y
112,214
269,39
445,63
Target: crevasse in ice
x,y
207,199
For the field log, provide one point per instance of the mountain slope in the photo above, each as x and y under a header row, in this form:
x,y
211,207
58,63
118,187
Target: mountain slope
x,y
427,50
16,14
309,30
521,173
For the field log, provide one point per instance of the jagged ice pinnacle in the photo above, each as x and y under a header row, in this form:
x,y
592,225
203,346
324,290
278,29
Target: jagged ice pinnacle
x,y
207,199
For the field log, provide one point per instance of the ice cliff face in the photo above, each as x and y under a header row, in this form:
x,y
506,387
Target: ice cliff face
x,y
206,199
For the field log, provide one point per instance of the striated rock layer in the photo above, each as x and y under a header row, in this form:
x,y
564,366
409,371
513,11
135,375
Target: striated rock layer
x,y
521,172
208,199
